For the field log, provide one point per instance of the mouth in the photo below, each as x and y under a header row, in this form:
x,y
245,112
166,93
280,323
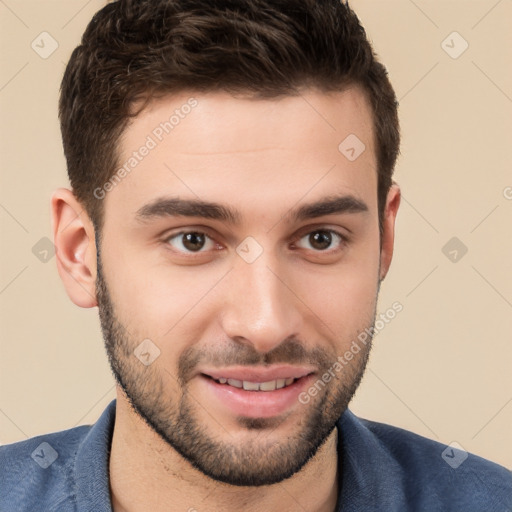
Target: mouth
x,y
253,393
269,385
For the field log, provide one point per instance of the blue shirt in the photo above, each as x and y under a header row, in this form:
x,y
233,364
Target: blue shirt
x,y
382,468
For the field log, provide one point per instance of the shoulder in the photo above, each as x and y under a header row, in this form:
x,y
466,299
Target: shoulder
x,y
430,474
38,472
63,471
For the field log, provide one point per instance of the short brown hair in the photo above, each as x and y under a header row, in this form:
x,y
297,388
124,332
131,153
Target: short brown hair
x,y
135,49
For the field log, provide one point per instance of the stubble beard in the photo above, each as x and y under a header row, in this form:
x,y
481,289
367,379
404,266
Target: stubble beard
x,y
260,460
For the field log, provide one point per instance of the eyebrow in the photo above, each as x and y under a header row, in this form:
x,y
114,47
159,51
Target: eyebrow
x,y
176,207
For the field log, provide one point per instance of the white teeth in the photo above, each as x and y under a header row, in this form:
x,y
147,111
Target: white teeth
x,y
251,386
235,383
270,385
280,383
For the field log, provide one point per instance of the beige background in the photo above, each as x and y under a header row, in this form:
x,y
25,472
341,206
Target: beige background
x,y
441,368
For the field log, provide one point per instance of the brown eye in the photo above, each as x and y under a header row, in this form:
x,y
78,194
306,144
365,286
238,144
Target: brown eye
x,y
320,240
189,241
323,239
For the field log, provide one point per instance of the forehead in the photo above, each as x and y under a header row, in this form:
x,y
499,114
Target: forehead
x,y
257,155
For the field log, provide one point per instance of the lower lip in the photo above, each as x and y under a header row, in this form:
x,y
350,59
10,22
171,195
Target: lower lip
x,y
256,404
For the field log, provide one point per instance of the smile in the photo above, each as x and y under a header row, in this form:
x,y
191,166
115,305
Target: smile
x,y
234,391
270,385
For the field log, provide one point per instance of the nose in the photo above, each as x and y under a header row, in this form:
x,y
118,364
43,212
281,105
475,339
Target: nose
x,y
260,307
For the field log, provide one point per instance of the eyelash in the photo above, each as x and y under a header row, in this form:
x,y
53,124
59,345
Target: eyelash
x,y
342,243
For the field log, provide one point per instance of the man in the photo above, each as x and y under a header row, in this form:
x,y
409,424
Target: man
x,y
232,216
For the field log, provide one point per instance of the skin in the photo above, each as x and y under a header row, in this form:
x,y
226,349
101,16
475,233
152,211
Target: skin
x,y
295,303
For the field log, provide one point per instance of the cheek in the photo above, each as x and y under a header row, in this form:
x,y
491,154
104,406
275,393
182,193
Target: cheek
x,y
343,297
345,303
155,300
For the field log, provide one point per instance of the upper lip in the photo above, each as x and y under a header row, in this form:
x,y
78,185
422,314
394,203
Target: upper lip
x,y
253,374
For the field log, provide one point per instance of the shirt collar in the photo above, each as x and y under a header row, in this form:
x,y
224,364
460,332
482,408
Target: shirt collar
x,y
368,472
92,465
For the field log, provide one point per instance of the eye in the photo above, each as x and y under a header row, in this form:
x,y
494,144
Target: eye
x,y
321,239
190,241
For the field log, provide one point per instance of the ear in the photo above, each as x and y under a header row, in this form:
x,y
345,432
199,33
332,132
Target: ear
x,y
388,229
73,234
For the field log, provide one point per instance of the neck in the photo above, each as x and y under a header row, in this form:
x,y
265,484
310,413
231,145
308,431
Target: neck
x,y
147,474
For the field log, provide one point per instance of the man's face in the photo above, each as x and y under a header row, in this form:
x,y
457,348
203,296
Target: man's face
x,y
265,297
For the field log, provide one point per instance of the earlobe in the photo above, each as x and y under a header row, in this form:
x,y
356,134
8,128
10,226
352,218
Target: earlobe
x,y
388,235
73,235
